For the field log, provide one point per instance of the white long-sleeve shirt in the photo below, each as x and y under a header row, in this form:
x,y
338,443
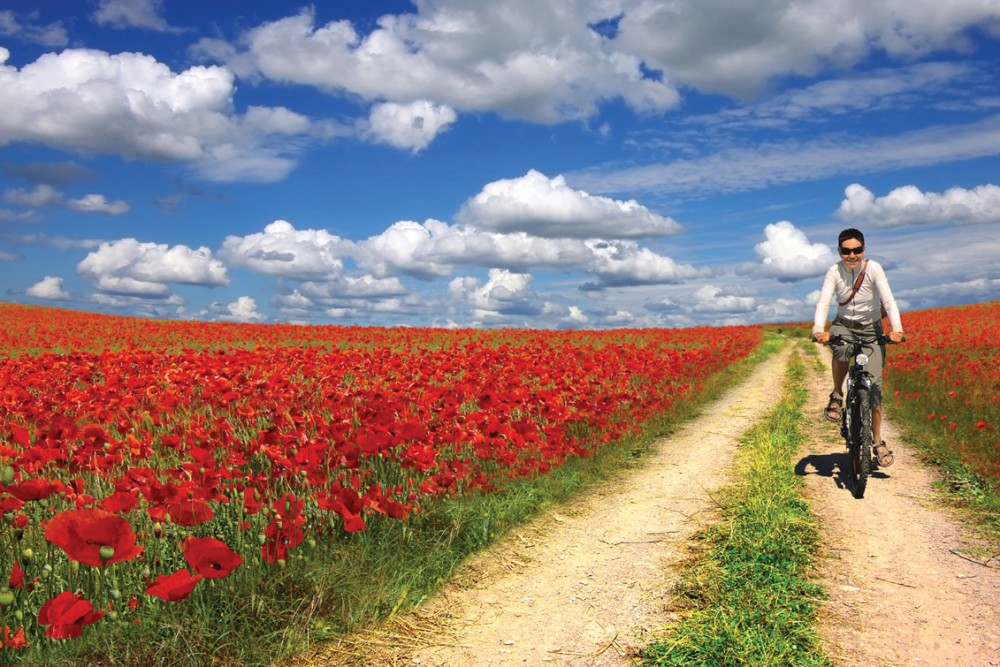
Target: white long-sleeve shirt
x,y
865,307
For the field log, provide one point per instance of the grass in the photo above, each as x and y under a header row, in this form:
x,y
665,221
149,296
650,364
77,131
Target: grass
x,y
749,599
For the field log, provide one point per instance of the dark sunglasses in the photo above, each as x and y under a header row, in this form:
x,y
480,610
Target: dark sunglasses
x,y
852,251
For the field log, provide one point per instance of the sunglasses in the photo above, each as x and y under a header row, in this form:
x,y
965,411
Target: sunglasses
x,y
852,251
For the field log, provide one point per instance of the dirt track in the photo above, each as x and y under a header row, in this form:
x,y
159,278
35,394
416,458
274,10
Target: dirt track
x,y
589,584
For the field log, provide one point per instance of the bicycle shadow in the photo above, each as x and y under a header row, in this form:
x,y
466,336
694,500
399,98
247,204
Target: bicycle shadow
x,y
834,465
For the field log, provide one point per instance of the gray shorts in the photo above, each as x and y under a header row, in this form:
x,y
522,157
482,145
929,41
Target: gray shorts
x,y
876,353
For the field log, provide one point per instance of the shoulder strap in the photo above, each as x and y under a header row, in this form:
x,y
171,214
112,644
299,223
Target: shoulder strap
x,y
857,284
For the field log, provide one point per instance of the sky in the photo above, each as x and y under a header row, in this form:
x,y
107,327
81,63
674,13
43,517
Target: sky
x,y
581,164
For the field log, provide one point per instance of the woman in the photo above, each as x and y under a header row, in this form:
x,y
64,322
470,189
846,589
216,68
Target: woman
x,y
862,295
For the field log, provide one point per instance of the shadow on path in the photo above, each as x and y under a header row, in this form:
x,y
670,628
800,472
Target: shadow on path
x,y
833,465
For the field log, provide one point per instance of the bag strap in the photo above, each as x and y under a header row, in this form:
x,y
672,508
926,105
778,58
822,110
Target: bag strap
x,y
857,284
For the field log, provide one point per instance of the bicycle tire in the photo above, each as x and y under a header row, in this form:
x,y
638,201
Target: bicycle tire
x,y
861,441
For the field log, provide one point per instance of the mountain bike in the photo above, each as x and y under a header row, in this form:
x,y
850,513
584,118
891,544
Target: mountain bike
x,y
856,416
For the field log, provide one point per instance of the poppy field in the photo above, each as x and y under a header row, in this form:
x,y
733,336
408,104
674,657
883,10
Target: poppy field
x,y
157,476
945,381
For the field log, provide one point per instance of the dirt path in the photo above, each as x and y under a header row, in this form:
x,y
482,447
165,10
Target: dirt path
x,y
590,584
902,590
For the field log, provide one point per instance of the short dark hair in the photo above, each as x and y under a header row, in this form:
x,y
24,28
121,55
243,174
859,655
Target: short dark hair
x,y
850,233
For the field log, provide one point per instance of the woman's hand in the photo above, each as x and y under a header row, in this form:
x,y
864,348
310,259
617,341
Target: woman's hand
x,y
822,337
896,336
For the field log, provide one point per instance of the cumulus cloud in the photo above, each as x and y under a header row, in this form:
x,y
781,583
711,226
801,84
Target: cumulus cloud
x,y
49,287
410,126
907,205
503,292
284,251
244,309
133,268
351,287
623,263
469,57
787,254
404,247
131,105
551,62
713,299
737,48
550,208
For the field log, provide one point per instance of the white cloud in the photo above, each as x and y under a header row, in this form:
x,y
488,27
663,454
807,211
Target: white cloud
x,y
244,309
130,267
713,299
403,247
410,126
576,316
788,255
352,287
49,287
522,59
47,196
281,250
24,29
907,205
503,292
136,107
548,207
132,14
622,263
738,47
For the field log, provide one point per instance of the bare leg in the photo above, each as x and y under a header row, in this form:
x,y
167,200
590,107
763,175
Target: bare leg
x,y
877,424
839,374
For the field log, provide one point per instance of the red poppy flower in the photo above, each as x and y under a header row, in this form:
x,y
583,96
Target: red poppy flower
x,y
66,614
34,489
120,502
210,557
173,587
93,537
10,504
193,512
17,575
16,640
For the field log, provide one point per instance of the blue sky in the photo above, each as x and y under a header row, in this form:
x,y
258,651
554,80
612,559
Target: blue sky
x,y
573,163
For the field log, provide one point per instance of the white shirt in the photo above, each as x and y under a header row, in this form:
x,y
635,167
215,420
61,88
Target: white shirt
x,y
866,306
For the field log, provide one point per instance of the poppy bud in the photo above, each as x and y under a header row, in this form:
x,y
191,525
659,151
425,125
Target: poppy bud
x,y
46,571
6,597
115,594
6,475
113,615
19,615
27,556
157,529
107,553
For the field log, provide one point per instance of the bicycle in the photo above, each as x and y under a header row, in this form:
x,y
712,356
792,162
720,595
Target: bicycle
x,y
856,416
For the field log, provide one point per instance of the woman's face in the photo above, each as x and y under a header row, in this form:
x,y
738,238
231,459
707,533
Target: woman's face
x,y
851,251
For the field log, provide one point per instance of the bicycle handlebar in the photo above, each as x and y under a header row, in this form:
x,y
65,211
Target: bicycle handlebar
x,y
880,339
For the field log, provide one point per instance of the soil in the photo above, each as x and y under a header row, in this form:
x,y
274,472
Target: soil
x,y
592,583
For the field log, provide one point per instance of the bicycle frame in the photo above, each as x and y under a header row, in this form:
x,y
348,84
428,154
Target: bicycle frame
x,y
856,416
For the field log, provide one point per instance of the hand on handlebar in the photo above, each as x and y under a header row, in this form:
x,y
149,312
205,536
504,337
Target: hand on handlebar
x,y
896,336
821,337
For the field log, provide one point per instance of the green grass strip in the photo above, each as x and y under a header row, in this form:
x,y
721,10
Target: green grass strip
x,y
749,599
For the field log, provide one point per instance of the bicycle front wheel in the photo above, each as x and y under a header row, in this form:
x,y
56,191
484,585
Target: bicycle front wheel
x,y
861,441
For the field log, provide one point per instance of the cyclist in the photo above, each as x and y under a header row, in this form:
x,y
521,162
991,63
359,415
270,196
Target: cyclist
x,y
864,298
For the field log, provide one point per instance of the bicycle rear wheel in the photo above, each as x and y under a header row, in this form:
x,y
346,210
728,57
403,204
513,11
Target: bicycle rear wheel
x,y
861,441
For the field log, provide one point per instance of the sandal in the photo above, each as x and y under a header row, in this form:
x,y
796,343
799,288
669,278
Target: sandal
x,y
832,411
884,455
